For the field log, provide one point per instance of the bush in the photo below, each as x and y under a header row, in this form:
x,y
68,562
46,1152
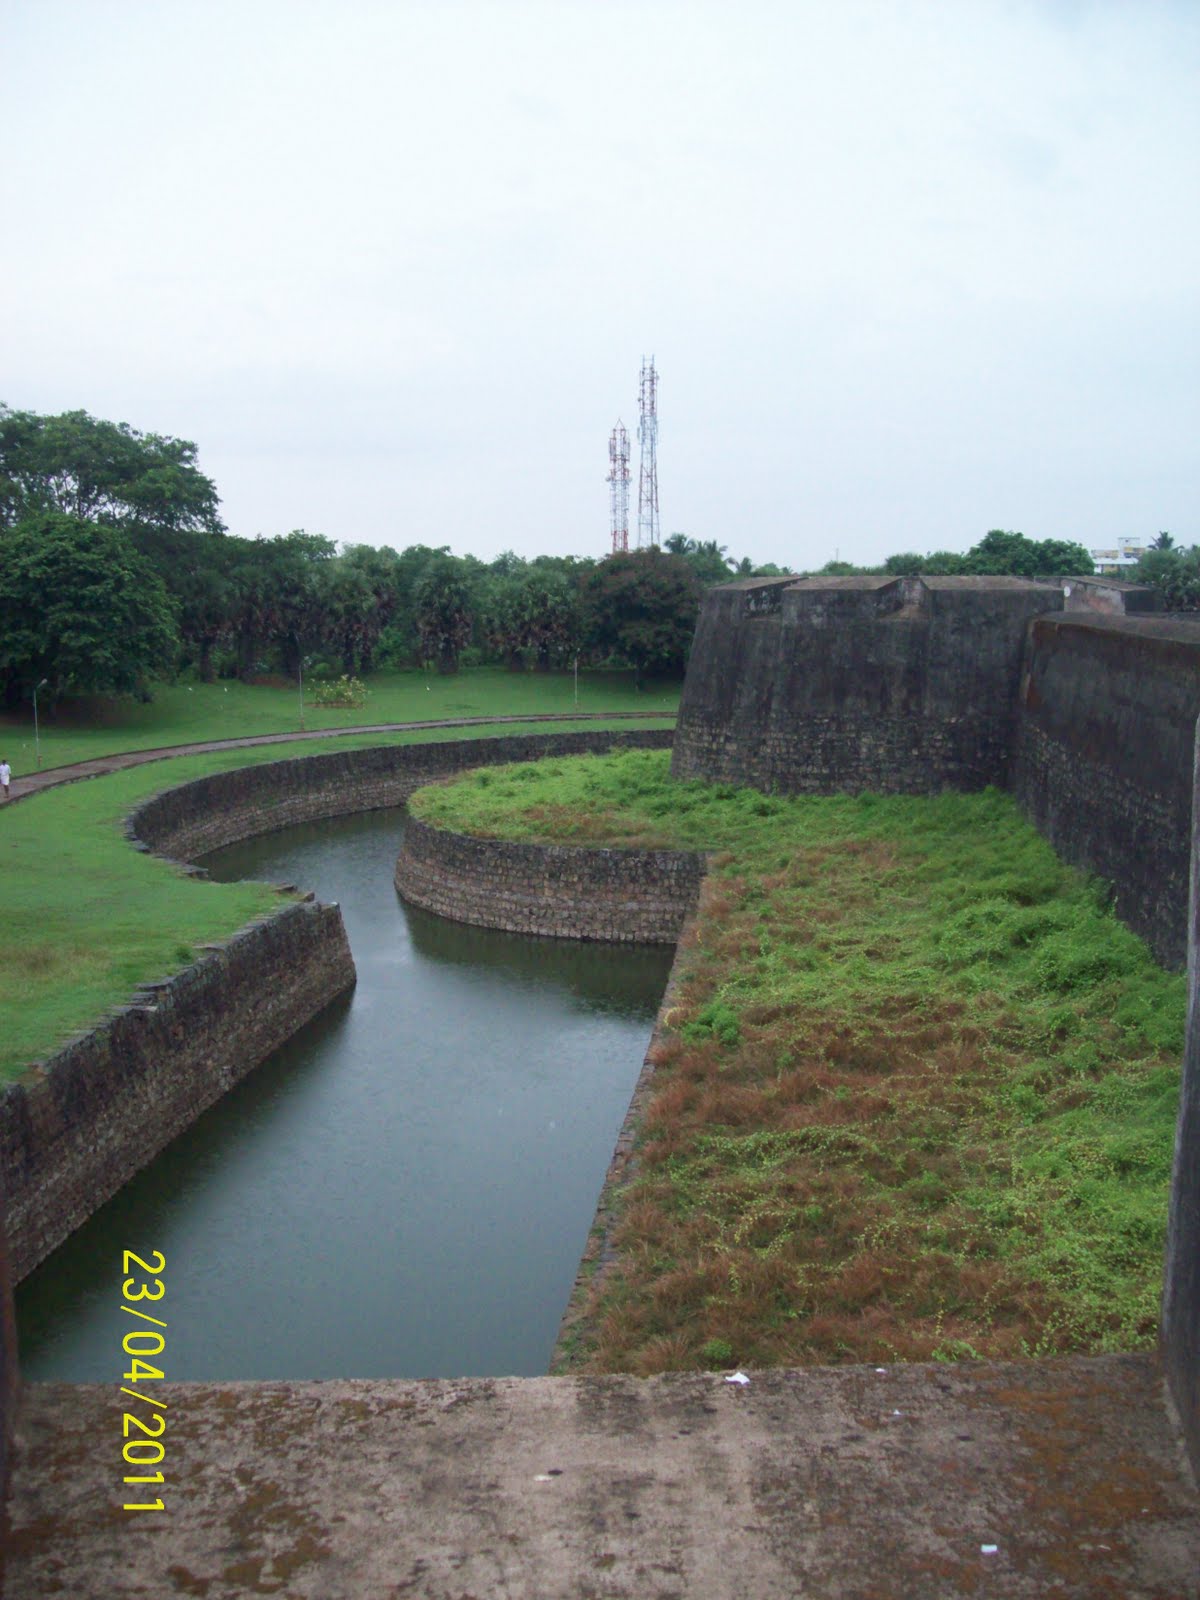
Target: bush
x,y
342,692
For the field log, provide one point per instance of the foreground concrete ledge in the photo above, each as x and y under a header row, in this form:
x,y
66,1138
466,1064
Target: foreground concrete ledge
x,y
853,1482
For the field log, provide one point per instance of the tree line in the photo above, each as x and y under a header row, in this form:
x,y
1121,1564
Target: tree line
x,y
116,569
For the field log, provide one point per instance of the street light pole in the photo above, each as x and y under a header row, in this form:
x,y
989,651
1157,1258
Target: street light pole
x,y
301,672
37,747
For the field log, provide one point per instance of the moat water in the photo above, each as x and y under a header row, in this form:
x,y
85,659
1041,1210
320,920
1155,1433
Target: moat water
x,y
403,1190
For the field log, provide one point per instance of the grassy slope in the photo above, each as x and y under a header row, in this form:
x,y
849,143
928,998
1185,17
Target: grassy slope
x,y
88,919
183,714
919,1095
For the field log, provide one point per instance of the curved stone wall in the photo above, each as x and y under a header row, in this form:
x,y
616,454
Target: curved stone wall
x,y
207,813
563,891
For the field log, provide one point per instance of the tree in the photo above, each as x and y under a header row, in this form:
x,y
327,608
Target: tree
x,y
906,565
707,559
1001,553
80,607
642,608
100,471
1174,573
278,604
1162,541
444,613
943,564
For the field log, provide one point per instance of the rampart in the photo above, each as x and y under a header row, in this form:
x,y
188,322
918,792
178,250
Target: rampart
x,y
1103,758
892,684
1066,693
1069,693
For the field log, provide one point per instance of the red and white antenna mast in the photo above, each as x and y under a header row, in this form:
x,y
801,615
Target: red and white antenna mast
x,y
618,480
648,525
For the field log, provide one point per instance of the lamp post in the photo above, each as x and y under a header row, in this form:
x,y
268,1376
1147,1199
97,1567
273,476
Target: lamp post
x,y
37,747
300,671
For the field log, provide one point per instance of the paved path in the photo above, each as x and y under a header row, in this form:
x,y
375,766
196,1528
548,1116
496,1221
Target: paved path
x,y
35,782
1052,1480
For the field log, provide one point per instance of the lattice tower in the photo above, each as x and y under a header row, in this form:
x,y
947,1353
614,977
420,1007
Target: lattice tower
x,y
648,525
618,482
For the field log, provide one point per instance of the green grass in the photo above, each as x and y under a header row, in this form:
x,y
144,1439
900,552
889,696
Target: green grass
x,y
89,919
194,713
918,1096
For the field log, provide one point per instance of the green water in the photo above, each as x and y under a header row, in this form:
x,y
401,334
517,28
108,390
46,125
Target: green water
x,y
403,1190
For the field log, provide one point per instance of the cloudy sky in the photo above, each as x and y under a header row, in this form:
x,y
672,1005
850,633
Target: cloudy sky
x,y
911,269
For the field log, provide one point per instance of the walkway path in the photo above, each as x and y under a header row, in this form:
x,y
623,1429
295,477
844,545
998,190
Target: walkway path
x,y
35,782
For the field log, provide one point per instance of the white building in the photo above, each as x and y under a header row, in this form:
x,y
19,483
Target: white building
x,y
1127,553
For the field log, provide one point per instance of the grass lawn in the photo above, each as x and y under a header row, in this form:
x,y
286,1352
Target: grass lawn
x,y
193,713
88,919
919,1093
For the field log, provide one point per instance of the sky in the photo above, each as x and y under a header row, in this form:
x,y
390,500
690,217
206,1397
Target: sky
x,y
909,269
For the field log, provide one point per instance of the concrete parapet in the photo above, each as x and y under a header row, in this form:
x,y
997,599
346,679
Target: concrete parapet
x,y
1015,1481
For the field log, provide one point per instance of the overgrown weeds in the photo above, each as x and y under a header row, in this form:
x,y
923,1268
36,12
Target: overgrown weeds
x,y
918,1095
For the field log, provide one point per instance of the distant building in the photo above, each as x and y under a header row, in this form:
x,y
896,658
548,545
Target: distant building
x,y
1128,553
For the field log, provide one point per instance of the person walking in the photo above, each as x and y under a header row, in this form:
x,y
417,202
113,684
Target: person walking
x,y
5,776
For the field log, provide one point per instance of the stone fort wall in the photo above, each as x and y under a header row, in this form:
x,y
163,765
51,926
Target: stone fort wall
x,y
563,891
1071,694
1066,693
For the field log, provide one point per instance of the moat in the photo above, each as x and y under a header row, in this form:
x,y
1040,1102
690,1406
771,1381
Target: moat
x,y
405,1189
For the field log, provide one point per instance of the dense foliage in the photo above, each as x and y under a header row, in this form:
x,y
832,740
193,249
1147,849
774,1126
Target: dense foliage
x,y
181,592
1174,573
998,554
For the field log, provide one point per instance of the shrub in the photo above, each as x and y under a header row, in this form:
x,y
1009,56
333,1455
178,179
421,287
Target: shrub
x,y
342,692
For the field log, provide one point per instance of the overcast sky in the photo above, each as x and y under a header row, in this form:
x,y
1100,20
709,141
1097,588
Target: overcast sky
x,y
910,270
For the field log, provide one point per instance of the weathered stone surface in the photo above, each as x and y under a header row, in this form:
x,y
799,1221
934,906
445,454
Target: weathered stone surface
x,y
1103,763
1180,1330
565,891
1045,1479
76,1128
902,686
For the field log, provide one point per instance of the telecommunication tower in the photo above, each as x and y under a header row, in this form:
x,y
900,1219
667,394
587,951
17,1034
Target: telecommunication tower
x,y
618,480
648,527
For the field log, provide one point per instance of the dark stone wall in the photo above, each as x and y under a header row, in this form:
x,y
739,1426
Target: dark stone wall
x,y
1087,711
210,812
1104,759
565,891
824,685
1180,1335
77,1127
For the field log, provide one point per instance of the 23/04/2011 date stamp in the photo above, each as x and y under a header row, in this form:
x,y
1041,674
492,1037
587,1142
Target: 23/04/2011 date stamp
x,y
143,1446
